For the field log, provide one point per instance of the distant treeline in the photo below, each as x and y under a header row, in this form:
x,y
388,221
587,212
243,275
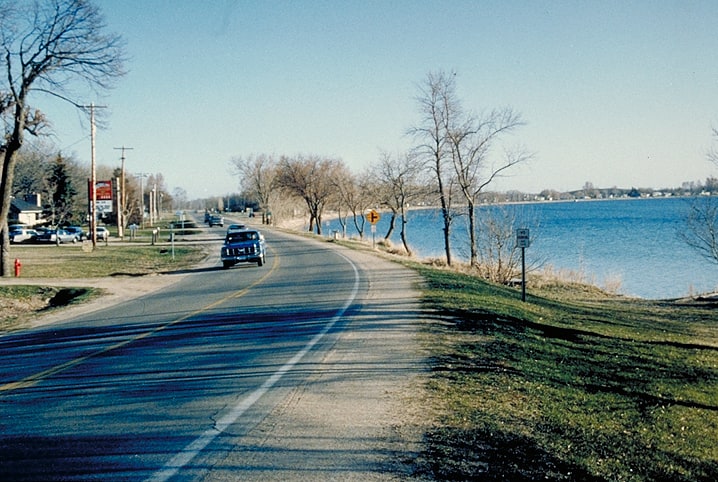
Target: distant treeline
x,y
589,191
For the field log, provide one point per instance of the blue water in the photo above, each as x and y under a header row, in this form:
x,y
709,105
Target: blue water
x,y
632,244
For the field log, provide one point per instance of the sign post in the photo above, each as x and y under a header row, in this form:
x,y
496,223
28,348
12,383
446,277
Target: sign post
x,y
373,217
523,241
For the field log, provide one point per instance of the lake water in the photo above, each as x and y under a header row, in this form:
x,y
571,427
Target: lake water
x,y
630,243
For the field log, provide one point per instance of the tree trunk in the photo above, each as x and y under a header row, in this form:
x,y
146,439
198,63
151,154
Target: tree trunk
x,y
404,222
446,215
8,170
472,231
392,225
311,222
342,221
359,227
5,257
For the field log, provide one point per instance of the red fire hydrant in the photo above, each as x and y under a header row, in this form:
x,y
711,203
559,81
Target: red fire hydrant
x,y
18,265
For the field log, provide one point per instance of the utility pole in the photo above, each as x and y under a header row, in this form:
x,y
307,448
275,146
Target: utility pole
x,y
121,203
142,176
93,179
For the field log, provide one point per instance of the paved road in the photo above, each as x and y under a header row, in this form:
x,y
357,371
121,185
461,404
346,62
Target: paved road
x,y
295,370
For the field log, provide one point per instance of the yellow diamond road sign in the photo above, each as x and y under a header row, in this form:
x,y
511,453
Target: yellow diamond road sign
x,y
372,216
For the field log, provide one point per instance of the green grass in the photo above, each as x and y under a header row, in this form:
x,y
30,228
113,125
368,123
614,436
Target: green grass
x,y
572,385
71,261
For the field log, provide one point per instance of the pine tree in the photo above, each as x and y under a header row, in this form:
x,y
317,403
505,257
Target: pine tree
x,y
59,185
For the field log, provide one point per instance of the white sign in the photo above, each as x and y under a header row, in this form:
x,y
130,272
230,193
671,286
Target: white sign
x,y
522,238
104,206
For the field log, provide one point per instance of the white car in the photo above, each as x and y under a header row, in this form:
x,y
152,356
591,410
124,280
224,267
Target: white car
x,y
19,235
102,233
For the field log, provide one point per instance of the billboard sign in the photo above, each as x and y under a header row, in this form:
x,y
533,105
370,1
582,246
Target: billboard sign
x,y
103,193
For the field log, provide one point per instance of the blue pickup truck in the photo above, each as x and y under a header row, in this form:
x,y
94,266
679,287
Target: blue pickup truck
x,y
243,246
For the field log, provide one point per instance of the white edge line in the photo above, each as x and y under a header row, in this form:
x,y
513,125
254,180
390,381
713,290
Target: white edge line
x,y
185,456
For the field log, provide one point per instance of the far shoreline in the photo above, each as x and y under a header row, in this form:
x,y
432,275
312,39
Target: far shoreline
x,y
605,275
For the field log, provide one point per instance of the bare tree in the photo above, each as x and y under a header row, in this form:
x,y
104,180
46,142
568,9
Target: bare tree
x,y
439,107
180,198
701,231
499,254
46,45
313,179
131,199
471,149
258,179
356,193
401,179
702,227
713,151
346,191
28,176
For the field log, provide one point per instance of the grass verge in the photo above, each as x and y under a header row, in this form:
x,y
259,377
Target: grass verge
x,y
71,261
575,384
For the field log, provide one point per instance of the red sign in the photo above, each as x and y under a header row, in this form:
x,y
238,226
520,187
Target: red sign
x,y
103,190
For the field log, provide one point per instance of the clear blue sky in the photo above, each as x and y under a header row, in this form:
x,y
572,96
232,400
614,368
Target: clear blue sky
x,y
613,92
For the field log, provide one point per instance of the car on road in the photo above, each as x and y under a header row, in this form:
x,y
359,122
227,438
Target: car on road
x,y
216,220
243,246
235,227
58,236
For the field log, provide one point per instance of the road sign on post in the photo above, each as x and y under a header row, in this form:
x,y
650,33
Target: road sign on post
x,y
373,216
523,241
522,238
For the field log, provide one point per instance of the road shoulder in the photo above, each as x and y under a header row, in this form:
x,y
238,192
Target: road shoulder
x,y
361,416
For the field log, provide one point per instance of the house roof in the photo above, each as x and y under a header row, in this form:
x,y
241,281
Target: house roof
x,y
23,206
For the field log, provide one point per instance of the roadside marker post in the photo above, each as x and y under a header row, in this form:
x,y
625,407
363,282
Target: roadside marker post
x,y
523,241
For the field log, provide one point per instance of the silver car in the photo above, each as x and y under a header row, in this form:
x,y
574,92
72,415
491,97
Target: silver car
x,y
58,236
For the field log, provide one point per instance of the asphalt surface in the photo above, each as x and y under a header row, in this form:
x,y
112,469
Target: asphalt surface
x,y
297,370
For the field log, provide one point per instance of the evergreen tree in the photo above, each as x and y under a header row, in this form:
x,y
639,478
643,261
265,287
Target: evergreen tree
x,y
59,209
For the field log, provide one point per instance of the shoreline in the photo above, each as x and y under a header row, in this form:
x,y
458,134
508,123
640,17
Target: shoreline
x,y
617,262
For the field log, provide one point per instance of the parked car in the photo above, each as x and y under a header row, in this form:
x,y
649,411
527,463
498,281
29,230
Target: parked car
x,y
103,233
216,220
245,246
77,231
56,236
21,235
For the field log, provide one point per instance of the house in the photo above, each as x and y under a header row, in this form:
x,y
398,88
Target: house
x,y
27,212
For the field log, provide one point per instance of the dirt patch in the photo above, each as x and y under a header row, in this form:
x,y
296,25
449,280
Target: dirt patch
x,y
21,304
57,299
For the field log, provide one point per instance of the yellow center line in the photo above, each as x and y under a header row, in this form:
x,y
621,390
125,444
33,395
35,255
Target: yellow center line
x,y
32,380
